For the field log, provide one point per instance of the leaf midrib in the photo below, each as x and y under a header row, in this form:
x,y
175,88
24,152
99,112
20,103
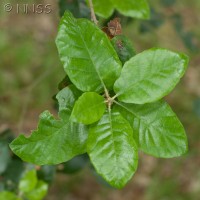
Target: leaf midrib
x,y
148,125
113,143
140,80
87,49
139,118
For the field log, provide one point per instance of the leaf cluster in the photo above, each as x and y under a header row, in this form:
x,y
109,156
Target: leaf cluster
x,y
29,188
109,111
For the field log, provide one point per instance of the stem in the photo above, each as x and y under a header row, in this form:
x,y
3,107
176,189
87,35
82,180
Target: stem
x,y
106,93
93,16
113,98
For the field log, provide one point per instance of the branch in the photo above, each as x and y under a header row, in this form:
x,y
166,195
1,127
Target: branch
x,y
93,16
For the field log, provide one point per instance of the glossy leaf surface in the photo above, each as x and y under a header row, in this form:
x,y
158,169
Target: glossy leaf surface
x,y
87,54
159,132
133,8
103,8
112,149
150,75
89,108
54,140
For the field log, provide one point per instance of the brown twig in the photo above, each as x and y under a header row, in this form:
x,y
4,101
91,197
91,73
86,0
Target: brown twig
x,y
93,16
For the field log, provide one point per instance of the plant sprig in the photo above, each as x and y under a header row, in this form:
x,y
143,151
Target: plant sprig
x,y
110,128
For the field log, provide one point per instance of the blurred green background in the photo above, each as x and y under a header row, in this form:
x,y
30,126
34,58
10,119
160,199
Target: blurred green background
x,y
30,71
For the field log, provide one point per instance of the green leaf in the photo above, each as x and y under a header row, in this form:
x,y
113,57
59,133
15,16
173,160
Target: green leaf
x,y
133,8
68,5
14,172
31,187
103,8
5,195
150,75
74,165
159,131
123,48
53,142
47,173
66,99
87,54
28,181
77,7
89,108
39,192
4,155
112,149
